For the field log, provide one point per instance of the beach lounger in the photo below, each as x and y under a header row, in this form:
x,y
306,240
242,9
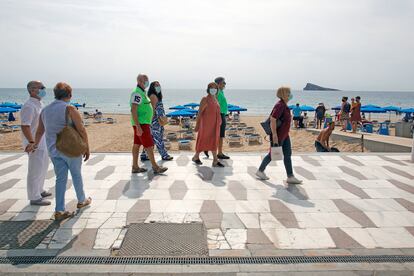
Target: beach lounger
x,y
87,115
110,121
171,136
184,145
9,128
249,130
242,125
188,135
173,122
254,138
233,140
231,131
167,144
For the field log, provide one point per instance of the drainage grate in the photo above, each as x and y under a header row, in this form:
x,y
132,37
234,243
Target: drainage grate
x,y
206,260
24,234
165,239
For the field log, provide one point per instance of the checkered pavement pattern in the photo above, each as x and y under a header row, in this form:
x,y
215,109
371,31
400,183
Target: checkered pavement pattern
x,y
346,201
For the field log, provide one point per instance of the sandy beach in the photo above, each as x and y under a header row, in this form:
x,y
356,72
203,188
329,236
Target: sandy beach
x,y
118,137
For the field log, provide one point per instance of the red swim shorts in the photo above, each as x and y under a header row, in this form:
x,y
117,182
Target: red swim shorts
x,y
145,139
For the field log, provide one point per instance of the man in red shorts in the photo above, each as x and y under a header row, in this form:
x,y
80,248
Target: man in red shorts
x,y
141,117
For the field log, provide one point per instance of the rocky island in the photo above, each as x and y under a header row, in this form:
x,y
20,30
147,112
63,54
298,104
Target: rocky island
x,y
314,87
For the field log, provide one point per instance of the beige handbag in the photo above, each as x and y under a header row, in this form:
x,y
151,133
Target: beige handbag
x,y
163,120
69,142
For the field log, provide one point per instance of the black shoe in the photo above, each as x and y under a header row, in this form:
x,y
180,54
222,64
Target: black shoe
x,y
45,194
218,164
143,159
206,153
168,158
222,156
197,161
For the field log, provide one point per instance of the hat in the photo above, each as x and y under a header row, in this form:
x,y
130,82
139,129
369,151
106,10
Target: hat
x,y
219,80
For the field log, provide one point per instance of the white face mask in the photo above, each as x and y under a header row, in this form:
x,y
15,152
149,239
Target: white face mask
x,y
213,91
158,89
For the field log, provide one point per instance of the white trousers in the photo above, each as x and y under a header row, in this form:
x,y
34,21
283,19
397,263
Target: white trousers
x,y
38,165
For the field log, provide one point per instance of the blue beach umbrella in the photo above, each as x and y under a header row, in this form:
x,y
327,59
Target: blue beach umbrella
x,y
178,107
192,105
180,113
237,109
371,109
291,106
189,110
7,110
11,105
76,104
370,106
231,105
307,108
392,108
407,110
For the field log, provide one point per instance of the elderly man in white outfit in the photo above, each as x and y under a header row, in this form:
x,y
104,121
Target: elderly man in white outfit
x,y
38,160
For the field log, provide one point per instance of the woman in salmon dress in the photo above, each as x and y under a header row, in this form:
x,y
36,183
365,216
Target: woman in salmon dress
x,y
356,114
208,126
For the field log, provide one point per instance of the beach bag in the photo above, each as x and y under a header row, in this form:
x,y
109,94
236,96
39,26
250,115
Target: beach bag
x,y
69,142
163,120
266,124
276,153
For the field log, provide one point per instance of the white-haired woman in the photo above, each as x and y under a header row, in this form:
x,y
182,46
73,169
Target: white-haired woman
x,y
280,135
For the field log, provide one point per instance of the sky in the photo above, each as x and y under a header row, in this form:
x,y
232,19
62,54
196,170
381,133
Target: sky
x,y
255,44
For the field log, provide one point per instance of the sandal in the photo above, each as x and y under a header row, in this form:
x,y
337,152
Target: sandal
x,y
87,202
138,170
197,161
218,165
160,170
63,215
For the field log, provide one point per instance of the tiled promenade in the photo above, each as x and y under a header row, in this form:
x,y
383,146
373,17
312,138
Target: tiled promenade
x,y
348,204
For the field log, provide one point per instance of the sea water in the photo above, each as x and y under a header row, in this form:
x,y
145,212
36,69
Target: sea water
x,y
258,102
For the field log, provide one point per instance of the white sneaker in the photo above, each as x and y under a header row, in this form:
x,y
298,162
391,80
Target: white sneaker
x,y
293,180
262,175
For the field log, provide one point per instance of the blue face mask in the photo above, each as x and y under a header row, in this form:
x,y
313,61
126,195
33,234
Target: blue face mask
x,y
42,93
146,84
213,91
290,96
158,89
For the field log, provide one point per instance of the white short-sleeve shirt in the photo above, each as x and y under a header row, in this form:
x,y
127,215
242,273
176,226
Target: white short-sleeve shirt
x,y
29,116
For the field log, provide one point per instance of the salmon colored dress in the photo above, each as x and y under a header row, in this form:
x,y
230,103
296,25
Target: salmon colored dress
x,y
209,126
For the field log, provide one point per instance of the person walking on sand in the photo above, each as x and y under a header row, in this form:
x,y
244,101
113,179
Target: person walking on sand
x,y
297,118
320,115
38,160
356,114
208,126
322,141
53,119
344,115
158,121
280,135
141,117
